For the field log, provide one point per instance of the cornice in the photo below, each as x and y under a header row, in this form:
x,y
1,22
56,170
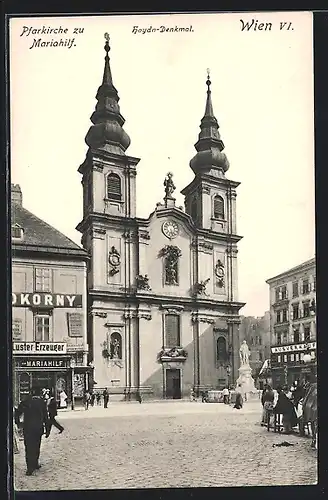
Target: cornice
x,y
155,300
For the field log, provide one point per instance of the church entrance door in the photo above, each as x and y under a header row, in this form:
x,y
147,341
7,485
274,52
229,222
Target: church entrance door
x,y
173,384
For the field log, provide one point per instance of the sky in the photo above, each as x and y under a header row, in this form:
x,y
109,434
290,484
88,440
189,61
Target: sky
x,y
262,92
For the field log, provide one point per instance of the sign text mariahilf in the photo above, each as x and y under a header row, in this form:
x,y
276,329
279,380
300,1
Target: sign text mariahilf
x,y
46,300
39,347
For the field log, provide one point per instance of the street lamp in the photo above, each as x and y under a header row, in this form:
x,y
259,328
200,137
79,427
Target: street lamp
x,y
72,365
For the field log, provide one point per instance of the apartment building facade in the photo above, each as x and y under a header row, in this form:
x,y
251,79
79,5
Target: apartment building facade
x,y
293,323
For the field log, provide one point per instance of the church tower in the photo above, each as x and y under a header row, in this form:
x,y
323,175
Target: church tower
x,y
207,198
210,199
108,226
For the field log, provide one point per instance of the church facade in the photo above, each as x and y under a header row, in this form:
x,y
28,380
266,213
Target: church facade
x,y
163,309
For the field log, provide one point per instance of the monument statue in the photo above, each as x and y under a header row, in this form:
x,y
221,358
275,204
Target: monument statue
x,y
245,379
244,353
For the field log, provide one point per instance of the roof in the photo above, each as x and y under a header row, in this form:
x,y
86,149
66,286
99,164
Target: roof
x,y
293,270
40,235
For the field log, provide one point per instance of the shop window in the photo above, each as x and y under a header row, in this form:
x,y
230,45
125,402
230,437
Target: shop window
x,y
42,328
43,279
218,204
221,349
114,189
295,289
292,357
172,330
279,358
285,358
297,357
115,346
17,329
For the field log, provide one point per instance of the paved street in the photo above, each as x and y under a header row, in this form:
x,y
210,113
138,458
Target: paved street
x,y
167,444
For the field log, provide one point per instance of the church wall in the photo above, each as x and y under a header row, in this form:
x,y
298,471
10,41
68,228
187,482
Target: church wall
x,y
155,264
187,341
151,340
207,355
108,319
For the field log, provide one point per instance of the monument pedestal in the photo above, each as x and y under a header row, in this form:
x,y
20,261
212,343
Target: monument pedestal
x,y
246,381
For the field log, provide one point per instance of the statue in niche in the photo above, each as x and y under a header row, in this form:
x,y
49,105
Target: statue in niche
x,y
171,254
115,347
219,272
169,185
171,273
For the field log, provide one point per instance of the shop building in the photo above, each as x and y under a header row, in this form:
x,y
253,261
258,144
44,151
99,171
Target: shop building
x,y
293,323
49,303
163,294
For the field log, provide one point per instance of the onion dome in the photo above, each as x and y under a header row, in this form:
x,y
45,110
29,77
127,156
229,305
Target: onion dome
x,y
209,146
107,132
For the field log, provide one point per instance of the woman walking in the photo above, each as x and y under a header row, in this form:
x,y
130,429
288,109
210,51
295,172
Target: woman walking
x,y
239,398
267,403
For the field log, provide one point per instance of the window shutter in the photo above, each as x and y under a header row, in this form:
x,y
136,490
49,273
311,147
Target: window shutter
x,y
113,187
218,207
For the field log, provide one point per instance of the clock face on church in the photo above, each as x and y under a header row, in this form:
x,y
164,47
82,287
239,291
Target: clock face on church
x,y
170,229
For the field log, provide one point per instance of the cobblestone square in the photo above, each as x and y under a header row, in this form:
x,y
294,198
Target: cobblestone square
x,y
163,445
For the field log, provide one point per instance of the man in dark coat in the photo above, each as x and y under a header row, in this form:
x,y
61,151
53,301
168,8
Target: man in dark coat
x,y
286,408
106,397
36,422
52,410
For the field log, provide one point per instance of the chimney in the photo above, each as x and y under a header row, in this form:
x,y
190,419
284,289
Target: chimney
x,y
16,195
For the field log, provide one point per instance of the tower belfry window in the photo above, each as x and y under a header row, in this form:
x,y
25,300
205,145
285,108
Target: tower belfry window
x,y
114,191
218,207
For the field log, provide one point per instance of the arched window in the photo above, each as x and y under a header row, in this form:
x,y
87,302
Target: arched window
x,y
114,190
221,349
218,205
115,346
